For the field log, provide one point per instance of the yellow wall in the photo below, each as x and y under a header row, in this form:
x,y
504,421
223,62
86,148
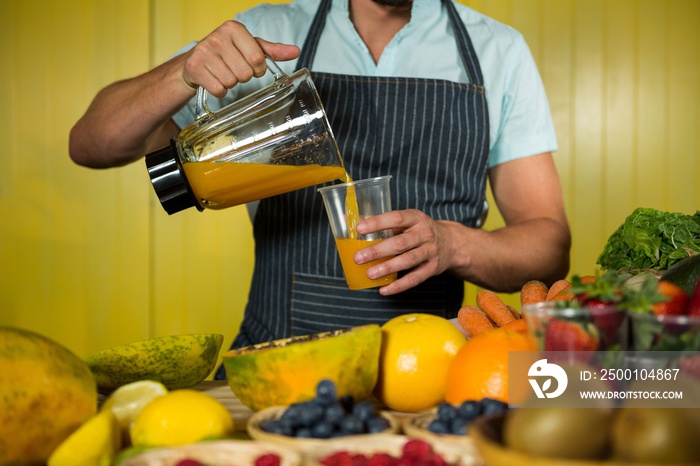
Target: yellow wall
x,y
90,259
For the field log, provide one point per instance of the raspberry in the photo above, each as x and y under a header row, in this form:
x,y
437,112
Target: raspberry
x,y
382,459
268,459
436,460
340,458
416,448
360,460
188,462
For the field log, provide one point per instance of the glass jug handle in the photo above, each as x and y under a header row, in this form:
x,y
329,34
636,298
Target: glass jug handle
x,y
201,109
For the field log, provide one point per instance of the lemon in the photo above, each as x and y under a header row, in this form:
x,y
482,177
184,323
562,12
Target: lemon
x,y
180,417
94,443
127,401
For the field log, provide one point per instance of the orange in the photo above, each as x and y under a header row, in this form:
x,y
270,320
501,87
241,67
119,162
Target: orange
x,y
519,325
480,368
416,353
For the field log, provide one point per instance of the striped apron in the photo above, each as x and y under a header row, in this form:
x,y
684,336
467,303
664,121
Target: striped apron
x,y
431,135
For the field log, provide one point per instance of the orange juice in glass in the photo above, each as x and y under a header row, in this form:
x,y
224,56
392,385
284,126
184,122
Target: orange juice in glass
x,y
346,204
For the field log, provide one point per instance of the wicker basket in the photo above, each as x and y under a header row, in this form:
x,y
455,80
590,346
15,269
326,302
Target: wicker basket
x,y
215,453
306,445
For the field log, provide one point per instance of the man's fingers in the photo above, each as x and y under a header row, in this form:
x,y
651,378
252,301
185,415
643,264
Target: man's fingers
x,y
278,51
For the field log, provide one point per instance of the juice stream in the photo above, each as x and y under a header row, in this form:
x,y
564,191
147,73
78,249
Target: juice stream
x,y
352,211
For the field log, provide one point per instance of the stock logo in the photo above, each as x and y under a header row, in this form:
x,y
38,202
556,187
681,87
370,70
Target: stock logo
x,y
546,372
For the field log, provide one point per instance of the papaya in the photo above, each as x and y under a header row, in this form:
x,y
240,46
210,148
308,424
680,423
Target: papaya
x,y
176,361
46,393
286,371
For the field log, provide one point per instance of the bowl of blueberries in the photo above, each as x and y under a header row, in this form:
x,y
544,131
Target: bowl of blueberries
x,y
452,422
310,423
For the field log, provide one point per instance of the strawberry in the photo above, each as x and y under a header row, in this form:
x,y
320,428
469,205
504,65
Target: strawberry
x,y
563,335
676,302
694,305
608,323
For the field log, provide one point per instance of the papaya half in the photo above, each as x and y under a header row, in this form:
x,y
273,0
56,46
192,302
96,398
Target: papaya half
x,y
286,371
176,361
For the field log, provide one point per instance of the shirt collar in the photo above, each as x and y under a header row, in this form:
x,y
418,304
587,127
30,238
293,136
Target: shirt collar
x,y
420,7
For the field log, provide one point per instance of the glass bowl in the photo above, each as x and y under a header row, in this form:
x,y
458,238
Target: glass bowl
x,y
558,326
652,332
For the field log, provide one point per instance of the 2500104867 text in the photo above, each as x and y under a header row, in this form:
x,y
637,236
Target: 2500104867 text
x,y
633,374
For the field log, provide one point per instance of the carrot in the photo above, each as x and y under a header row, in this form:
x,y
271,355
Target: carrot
x,y
519,325
586,279
515,312
556,288
494,307
563,295
533,292
473,320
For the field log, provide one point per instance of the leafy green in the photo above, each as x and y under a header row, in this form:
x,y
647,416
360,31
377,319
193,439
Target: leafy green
x,y
651,239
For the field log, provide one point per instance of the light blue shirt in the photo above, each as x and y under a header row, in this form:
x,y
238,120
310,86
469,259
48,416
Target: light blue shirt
x,y
520,118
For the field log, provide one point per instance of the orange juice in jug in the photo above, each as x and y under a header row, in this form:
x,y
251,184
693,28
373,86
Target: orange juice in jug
x,y
224,184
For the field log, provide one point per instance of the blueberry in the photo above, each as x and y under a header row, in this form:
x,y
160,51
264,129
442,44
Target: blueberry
x,y
469,410
322,430
377,424
458,426
277,427
333,414
303,432
310,414
351,426
446,412
490,406
270,425
364,411
437,426
286,427
326,392
293,414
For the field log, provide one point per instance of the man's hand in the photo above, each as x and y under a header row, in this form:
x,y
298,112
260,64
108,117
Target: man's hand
x,y
420,244
231,55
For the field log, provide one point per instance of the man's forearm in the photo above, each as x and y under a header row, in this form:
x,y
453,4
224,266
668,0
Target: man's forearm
x,y
506,258
124,120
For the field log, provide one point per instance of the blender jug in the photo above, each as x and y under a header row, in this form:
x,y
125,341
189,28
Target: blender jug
x,y
273,141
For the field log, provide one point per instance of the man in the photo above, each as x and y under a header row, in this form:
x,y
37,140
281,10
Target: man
x,y
430,92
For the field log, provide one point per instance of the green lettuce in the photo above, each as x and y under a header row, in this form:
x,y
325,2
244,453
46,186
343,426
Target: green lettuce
x,y
650,239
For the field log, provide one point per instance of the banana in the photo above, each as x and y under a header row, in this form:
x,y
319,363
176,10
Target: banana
x,y
177,361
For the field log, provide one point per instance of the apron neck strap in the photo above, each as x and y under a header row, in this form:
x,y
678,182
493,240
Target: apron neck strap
x,y
464,43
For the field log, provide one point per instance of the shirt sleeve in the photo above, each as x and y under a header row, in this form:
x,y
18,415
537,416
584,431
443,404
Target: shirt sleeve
x,y
525,127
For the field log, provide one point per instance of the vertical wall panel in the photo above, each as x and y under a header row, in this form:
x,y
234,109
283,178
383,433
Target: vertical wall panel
x,y
620,87
587,111
683,51
75,240
652,94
